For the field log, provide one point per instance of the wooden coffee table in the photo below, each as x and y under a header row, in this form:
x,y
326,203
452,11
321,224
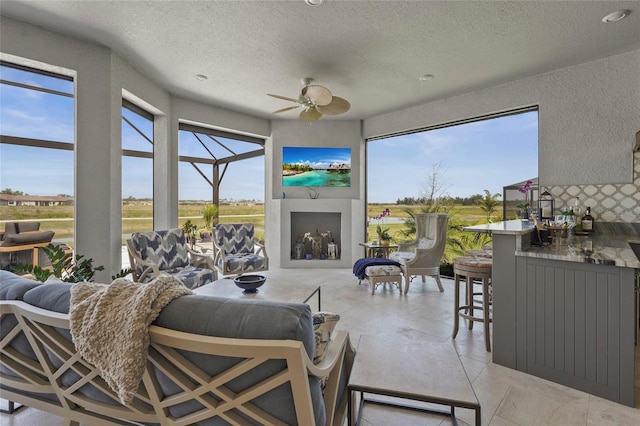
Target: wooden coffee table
x,y
270,290
418,371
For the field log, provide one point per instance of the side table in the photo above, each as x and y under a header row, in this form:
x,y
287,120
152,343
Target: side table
x,y
419,371
371,249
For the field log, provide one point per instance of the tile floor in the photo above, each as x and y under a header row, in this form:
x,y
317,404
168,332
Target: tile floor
x,y
507,397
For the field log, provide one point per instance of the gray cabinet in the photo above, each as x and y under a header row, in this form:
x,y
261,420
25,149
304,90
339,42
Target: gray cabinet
x,y
574,325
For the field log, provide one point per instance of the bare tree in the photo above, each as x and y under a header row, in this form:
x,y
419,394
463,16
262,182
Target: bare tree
x,y
436,184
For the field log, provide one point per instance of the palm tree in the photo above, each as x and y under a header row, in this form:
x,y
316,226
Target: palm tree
x,y
489,203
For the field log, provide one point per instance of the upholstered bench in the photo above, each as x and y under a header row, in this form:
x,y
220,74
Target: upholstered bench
x,y
379,274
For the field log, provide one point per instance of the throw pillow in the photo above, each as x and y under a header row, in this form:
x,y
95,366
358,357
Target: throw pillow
x,y
323,325
53,280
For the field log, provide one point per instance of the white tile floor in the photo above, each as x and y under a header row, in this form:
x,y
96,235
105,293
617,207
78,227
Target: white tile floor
x,y
508,397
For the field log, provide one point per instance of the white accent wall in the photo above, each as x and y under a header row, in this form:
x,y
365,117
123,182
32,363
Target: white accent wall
x,y
281,201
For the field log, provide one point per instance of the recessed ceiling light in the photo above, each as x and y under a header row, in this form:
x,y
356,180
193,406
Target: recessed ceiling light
x,y
201,77
313,2
616,16
426,77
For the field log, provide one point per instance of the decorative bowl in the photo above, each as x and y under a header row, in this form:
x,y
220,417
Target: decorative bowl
x,y
249,283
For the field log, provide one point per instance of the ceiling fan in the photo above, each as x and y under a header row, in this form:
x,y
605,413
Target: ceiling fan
x,y
316,100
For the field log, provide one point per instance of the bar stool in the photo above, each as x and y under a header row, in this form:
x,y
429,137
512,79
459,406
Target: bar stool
x,y
471,268
480,253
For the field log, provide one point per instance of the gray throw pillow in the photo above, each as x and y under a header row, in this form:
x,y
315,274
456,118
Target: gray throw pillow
x,y
14,287
54,297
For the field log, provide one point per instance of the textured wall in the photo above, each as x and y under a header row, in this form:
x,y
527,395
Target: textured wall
x,y
588,117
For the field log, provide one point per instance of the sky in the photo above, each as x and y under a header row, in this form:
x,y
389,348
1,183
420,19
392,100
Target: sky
x,y
317,158
470,158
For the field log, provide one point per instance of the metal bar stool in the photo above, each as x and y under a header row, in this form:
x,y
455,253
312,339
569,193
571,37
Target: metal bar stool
x,y
471,268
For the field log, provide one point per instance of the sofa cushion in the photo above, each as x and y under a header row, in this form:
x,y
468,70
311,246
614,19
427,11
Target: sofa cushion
x,y
54,297
13,287
27,227
244,319
18,227
28,238
232,318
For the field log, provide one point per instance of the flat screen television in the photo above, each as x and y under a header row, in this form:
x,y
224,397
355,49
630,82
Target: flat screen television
x,y
315,166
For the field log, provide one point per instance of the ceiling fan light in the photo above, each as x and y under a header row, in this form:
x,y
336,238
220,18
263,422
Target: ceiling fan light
x,y
313,2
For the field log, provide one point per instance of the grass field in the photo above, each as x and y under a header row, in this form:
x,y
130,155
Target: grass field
x,y
138,217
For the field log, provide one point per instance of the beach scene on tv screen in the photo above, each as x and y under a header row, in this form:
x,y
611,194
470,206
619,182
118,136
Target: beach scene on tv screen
x,y
312,166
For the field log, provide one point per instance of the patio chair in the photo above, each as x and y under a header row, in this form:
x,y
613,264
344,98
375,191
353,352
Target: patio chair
x,y
422,256
19,244
167,251
235,246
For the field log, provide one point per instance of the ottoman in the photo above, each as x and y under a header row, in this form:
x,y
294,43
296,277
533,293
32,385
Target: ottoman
x,y
379,274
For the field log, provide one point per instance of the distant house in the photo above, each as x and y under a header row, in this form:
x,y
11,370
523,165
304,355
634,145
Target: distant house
x,y
34,200
339,168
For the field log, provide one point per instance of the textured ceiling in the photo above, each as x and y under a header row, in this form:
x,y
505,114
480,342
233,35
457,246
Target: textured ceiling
x,y
370,52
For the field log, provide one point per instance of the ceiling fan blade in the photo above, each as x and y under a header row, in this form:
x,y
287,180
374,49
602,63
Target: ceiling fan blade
x,y
310,114
283,97
318,94
337,106
285,109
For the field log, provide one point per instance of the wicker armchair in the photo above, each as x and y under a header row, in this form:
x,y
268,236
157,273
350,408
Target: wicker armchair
x,y
422,256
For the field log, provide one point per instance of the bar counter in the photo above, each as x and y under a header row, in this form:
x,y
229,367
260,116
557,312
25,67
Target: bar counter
x,y
566,311
610,245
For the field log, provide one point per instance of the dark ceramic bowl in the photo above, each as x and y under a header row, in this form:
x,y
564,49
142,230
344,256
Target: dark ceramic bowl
x,y
249,283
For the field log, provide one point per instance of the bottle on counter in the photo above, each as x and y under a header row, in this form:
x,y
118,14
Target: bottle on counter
x,y
577,210
587,221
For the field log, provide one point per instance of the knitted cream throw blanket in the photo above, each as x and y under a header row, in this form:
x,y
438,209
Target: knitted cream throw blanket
x,y
110,326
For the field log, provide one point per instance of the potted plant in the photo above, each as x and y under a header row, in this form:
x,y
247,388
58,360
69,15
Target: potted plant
x,y
189,229
64,266
524,206
383,235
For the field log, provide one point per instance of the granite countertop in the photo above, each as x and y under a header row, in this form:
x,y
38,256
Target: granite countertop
x,y
597,249
508,227
609,245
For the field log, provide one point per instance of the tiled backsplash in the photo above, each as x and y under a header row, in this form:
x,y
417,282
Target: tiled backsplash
x,y
609,203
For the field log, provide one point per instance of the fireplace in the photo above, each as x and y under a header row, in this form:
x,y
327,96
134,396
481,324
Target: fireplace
x,y
294,218
315,235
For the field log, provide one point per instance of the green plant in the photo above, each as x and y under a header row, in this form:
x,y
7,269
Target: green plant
x,y
489,203
525,190
63,266
209,213
383,234
122,274
189,229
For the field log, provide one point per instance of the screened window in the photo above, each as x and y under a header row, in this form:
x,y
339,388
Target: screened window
x,y
36,148
137,169
221,169
216,165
